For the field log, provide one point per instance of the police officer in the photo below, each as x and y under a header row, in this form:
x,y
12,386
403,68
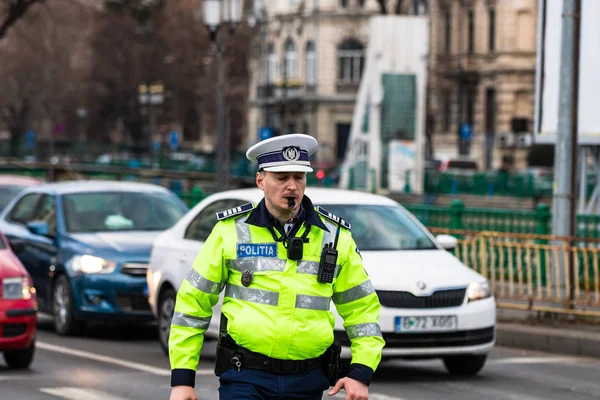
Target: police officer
x,y
281,262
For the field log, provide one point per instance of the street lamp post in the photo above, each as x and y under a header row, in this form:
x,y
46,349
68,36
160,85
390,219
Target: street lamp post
x,y
218,13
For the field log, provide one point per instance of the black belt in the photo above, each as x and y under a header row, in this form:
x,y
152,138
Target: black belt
x,y
252,360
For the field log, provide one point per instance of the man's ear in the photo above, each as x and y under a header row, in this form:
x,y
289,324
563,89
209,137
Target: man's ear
x,y
260,178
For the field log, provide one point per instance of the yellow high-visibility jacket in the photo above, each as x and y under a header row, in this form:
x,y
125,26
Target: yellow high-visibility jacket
x,y
284,312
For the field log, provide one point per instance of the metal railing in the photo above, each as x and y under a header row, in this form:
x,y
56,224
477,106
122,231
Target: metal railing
x,y
535,272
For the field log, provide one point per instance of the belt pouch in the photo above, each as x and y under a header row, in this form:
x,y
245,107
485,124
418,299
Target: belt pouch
x,y
331,362
223,361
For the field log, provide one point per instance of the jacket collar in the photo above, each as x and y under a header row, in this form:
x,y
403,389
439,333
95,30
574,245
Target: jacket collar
x,y
260,216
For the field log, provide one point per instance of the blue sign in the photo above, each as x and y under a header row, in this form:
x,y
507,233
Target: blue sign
x,y
466,131
265,133
257,250
30,139
174,140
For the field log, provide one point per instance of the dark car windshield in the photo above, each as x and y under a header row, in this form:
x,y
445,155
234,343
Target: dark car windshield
x,y
376,227
121,211
8,192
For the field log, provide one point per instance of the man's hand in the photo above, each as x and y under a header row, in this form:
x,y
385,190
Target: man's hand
x,y
183,393
355,390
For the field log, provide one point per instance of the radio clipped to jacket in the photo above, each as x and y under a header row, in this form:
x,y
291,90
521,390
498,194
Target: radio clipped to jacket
x,y
327,264
328,261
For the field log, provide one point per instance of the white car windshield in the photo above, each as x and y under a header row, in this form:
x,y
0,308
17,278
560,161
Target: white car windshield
x,y
121,211
384,228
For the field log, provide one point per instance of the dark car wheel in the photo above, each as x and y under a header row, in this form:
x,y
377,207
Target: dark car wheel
x,y
62,307
20,359
465,365
166,307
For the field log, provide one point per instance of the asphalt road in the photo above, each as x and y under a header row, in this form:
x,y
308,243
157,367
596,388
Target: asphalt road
x,y
128,364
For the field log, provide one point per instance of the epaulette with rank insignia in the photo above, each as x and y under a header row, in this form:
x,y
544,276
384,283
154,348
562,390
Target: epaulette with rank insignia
x,y
332,217
235,211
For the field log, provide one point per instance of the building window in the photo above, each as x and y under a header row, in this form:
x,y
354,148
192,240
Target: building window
x,y
470,106
311,64
447,31
471,31
344,3
492,33
291,128
290,61
525,32
271,64
421,7
351,60
490,111
361,3
447,112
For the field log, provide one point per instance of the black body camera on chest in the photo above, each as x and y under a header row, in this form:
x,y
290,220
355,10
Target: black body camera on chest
x,y
295,248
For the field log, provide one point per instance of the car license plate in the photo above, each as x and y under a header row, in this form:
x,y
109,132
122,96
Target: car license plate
x,y
442,323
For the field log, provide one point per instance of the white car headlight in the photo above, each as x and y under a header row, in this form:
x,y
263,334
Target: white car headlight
x,y
478,291
18,288
91,265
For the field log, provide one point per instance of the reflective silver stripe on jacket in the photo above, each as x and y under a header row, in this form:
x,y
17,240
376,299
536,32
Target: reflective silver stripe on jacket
x,y
203,284
313,302
329,237
312,268
253,295
254,264
308,267
355,293
360,330
243,230
181,319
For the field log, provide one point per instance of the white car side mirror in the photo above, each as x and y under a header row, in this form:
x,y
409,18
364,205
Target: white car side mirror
x,y
448,242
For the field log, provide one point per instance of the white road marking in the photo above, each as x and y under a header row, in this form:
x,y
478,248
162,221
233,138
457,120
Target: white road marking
x,y
539,360
72,393
372,396
113,360
12,377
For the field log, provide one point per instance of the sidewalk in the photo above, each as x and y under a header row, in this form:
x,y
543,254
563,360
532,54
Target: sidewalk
x,y
526,332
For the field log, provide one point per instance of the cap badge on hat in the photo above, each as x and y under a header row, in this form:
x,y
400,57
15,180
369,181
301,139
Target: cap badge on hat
x,y
291,153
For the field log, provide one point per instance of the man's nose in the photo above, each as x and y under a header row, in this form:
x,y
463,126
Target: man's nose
x,y
291,184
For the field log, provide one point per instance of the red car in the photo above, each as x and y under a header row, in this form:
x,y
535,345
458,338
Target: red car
x,y
18,309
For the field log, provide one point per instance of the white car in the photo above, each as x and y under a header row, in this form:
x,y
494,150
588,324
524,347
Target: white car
x,y
432,305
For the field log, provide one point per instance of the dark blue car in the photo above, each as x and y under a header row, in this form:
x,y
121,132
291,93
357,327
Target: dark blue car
x,y
87,245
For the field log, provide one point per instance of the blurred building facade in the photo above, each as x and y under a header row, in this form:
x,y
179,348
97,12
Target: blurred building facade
x,y
306,72
482,73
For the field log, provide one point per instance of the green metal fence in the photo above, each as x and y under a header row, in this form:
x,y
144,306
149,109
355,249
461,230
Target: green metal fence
x,y
458,217
538,221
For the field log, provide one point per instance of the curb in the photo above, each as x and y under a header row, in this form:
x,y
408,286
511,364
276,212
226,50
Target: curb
x,y
549,339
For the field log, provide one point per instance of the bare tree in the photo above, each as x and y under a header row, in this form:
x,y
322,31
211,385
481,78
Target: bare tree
x,y
12,11
41,66
169,46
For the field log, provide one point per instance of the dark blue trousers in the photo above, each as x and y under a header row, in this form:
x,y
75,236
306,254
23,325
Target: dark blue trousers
x,y
251,384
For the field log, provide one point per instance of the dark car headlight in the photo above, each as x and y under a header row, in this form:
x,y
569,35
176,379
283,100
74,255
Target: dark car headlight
x,y
17,288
